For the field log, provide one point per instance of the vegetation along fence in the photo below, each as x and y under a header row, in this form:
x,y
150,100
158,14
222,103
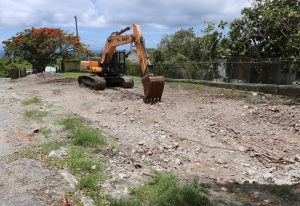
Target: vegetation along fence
x,y
230,70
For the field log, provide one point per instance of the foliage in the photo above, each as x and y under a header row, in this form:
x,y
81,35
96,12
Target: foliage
x,y
42,46
186,55
8,63
267,29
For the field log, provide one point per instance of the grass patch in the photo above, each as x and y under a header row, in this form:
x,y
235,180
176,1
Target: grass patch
x,y
70,124
45,131
31,101
81,134
71,75
89,182
35,114
283,191
164,189
88,137
79,161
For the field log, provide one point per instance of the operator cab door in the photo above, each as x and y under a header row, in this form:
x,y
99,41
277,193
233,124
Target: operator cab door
x,y
118,62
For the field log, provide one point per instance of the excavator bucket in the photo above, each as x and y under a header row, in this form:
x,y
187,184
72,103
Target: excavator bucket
x,y
153,88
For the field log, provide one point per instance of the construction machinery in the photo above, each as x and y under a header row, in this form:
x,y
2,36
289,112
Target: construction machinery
x,y
110,69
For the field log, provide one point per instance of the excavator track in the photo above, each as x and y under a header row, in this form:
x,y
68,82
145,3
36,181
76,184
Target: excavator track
x,y
153,88
127,82
93,81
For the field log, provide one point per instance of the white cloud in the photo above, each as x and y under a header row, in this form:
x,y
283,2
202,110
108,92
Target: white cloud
x,y
112,13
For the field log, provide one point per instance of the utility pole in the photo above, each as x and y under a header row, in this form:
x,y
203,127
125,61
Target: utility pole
x,y
76,25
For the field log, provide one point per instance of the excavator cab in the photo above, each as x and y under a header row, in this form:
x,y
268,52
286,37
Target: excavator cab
x,y
118,62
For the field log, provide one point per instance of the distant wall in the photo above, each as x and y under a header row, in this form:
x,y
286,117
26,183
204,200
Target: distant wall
x,y
70,65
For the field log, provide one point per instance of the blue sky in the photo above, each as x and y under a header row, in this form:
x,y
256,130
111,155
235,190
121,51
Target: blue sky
x,y
98,18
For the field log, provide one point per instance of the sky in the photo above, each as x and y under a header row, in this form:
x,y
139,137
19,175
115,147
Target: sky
x,y
98,18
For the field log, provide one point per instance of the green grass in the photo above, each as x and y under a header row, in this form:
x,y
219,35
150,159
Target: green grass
x,y
71,75
70,123
45,131
35,114
89,182
31,101
283,191
81,134
164,189
88,137
79,161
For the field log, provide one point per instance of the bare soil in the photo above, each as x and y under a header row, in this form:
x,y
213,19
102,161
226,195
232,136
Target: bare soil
x,y
238,143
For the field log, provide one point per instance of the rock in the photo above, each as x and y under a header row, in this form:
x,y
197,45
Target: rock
x,y
274,109
297,158
124,176
246,165
268,177
131,119
224,189
246,107
36,131
220,161
141,143
61,152
256,194
250,172
138,166
87,201
93,167
69,178
177,161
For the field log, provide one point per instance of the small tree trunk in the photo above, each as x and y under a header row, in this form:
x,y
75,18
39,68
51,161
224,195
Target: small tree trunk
x,y
38,68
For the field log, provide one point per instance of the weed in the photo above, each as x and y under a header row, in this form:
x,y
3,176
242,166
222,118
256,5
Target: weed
x,y
45,131
89,182
88,137
46,148
34,100
166,189
125,202
83,135
70,124
35,114
79,161
283,191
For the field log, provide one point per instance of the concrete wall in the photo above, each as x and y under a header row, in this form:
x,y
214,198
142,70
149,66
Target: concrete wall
x,y
71,66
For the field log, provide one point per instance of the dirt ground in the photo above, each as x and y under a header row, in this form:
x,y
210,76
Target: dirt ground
x,y
237,142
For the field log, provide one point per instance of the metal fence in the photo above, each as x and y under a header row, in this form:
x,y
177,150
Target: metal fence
x,y
266,72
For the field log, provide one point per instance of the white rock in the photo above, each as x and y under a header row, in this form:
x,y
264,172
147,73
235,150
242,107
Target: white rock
x,y
268,177
61,152
177,161
224,189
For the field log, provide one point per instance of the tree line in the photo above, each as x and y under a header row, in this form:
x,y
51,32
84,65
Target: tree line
x,y
267,30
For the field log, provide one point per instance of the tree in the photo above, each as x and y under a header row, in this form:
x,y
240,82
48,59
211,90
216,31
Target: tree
x,y
42,46
268,29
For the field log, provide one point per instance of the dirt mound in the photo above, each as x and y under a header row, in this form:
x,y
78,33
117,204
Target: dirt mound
x,y
44,76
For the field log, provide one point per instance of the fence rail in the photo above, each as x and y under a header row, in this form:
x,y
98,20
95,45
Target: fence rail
x,y
278,72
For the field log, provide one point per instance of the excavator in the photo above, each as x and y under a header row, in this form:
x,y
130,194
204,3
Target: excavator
x,y
110,69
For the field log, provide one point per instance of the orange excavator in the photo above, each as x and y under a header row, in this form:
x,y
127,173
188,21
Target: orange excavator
x,y
110,69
